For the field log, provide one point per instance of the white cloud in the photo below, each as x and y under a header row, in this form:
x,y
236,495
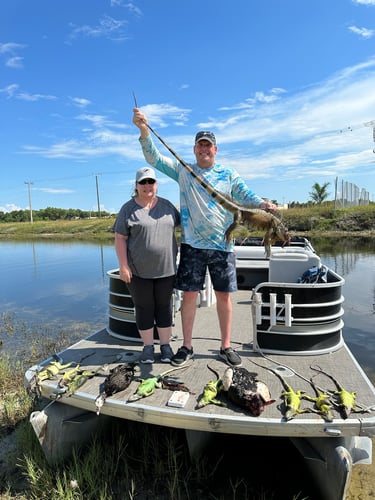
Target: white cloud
x,y
363,32
10,207
80,102
15,62
54,191
128,5
108,27
11,49
364,2
25,96
10,90
161,114
13,91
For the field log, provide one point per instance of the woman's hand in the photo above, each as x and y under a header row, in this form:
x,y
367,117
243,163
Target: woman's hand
x,y
126,274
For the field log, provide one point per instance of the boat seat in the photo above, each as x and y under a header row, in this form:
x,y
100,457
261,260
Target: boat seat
x,y
287,267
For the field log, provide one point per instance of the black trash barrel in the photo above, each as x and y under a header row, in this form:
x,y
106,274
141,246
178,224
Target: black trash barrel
x,y
121,317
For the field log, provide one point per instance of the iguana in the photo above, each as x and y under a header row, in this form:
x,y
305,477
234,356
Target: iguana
x,y
292,399
148,385
323,405
73,383
210,392
54,368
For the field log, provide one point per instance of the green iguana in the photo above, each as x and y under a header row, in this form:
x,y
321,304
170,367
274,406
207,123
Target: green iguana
x,y
148,385
210,391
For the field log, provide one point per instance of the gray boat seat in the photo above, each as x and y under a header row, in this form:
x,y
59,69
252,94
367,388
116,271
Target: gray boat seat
x,y
287,267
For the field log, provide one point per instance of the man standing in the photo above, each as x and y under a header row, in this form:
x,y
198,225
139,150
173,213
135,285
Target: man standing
x,y
204,222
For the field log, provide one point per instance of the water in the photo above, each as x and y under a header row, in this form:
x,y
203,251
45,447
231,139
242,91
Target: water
x,y
56,282
354,259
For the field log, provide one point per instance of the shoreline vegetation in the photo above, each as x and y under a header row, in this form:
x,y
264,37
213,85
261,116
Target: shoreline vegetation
x,y
310,221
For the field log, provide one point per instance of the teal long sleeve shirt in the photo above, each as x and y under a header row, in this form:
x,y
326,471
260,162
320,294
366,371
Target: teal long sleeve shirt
x,y
203,220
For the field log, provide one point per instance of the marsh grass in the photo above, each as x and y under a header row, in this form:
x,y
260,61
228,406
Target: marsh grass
x,y
135,461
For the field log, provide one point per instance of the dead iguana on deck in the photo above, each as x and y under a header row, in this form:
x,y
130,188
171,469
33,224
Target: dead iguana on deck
x,y
210,392
71,382
148,385
322,403
47,372
292,399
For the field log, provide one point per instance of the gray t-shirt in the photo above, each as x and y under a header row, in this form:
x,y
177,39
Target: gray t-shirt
x,y
152,246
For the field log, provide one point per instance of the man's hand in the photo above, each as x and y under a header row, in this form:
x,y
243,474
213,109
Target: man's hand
x,y
140,121
268,206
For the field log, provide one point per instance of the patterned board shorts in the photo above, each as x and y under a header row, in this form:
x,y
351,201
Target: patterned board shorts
x,y
193,265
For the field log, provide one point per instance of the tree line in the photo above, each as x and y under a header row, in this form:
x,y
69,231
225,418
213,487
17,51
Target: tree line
x,y
50,213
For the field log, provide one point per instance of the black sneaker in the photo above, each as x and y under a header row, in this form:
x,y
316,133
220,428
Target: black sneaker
x,y
230,357
182,356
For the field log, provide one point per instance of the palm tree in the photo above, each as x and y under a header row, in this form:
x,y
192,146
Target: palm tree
x,y
319,193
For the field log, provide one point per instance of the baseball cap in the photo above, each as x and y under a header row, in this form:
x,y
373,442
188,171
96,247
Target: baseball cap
x,y
145,173
205,135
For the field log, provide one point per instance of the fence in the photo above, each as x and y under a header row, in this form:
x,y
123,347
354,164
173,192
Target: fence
x,y
348,194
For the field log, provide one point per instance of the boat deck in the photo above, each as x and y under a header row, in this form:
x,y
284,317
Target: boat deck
x,y
107,351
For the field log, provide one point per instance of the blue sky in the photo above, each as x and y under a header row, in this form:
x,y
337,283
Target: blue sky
x,y
287,86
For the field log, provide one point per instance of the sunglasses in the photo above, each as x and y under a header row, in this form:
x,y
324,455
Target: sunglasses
x,y
147,181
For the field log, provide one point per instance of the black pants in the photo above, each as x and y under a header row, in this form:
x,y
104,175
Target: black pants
x,y
152,301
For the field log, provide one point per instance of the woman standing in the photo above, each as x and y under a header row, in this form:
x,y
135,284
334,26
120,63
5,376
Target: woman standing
x,y
146,249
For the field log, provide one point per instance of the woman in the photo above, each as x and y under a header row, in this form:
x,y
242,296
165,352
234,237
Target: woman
x,y
146,249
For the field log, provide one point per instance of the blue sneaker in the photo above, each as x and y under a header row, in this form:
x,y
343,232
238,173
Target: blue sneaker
x,y
166,353
147,355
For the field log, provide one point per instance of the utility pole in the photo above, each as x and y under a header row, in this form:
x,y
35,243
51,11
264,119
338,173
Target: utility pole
x,y
335,205
30,206
97,193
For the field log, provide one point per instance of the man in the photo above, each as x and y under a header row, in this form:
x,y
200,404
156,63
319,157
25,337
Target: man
x,y
203,226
